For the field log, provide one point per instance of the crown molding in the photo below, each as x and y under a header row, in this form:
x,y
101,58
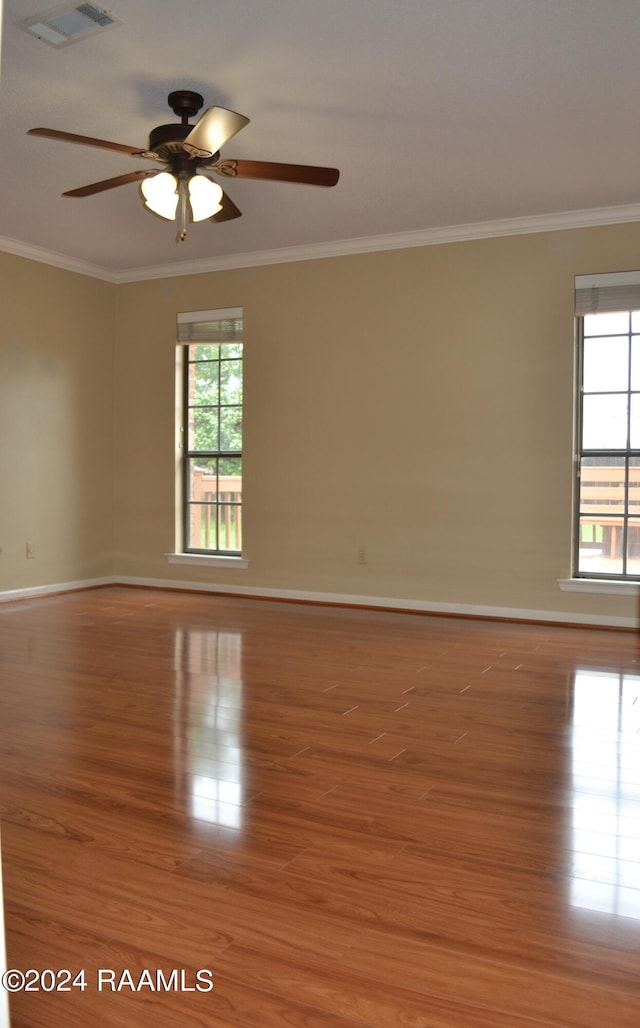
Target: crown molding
x,y
56,260
589,218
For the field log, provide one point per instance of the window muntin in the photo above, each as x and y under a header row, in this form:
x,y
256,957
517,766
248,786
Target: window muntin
x,y
607,536
213,379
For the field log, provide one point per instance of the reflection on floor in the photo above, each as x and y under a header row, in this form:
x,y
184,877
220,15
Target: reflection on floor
x,y
606,792
208,723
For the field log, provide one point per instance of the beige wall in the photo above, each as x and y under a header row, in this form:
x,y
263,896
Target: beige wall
x,y
417,403
56,425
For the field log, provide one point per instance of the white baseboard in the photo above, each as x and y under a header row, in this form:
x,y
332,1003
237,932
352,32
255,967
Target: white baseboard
x,y
33,592
334,599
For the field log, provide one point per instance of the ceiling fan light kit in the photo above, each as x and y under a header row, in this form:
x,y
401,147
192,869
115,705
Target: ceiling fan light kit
x,y
160,194
181,197
204,197
181,190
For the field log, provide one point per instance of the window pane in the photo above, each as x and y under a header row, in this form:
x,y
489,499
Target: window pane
x,y
604,422
606,364
635,362
231,468
634,426
633,547
602,489
231,382
204,351
231,350
203,429
203,479
634,485
230,428
600,546
203,383
230,526
230,489
202,526
606,324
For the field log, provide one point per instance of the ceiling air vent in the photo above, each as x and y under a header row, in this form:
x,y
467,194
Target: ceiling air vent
x,y
64,25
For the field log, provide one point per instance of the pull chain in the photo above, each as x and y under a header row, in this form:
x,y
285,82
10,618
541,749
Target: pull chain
x,y
183,208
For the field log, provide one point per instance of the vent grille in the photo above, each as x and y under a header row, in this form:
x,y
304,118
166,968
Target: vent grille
x,y
64,25
100,17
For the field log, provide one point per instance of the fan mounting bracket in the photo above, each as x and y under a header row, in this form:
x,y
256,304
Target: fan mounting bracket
x,y
185,103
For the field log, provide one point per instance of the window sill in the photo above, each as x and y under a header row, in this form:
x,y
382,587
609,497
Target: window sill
x,y
207,560
599,585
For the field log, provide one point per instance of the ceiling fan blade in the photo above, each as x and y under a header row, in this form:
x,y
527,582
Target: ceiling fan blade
x,y
306,174
70,137
110,183
212,130
228,212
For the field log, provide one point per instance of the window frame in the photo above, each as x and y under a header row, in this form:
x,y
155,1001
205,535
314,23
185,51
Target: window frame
x,y
189,453
624,455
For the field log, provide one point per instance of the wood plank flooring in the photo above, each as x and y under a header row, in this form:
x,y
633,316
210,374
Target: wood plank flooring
x,y
346,818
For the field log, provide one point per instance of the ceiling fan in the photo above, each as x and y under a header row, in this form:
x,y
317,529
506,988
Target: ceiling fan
x,y
181,191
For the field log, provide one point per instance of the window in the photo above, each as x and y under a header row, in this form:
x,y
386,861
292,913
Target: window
x,y
212,431
607,532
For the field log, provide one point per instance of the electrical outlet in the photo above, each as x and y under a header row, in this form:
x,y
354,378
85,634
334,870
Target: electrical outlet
x,y
362,555
31,550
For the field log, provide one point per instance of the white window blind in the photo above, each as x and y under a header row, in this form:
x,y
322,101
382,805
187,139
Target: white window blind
x,y
596,294
218,326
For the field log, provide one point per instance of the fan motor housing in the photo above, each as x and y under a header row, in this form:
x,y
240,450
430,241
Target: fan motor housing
x,y
167,139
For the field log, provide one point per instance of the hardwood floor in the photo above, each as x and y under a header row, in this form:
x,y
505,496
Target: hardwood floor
x,y
345,818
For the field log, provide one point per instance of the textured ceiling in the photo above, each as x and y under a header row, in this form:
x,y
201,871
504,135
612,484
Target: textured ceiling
x,y
438,113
